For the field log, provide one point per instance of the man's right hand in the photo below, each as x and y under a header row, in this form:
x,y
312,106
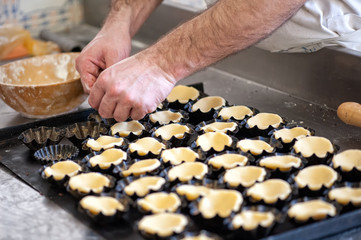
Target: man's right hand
x,y
110,46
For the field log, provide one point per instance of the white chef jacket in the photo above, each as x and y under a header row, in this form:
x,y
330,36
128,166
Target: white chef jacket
x,y
318,24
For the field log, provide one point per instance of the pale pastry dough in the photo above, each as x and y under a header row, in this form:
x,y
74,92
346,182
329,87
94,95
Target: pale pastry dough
x,y
208,103
187,171
87,182
61,169
221,202
183,94
315,209
287,135
216,140
348,160
145,145
346,195
250,220
281,162
270,191
228,161
107,158
192,192
163,224
104,204
142,167
165,117
160,202
316,176
125,128
245,176
104,142
178,155
237,112
308,146
265,120
166,132
144,185
255,147
220,127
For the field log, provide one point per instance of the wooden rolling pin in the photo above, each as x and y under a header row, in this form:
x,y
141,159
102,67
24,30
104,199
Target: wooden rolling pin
x,y
350,113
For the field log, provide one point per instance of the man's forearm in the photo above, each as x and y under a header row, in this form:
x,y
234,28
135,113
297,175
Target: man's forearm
x,y
227,27
131,12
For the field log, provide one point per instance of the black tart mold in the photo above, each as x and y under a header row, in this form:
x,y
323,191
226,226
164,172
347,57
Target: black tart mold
x,y
95,116
167,233
214,220
279,171
106,187
46,172
228,143
309,188
107,166
246,112
95,145
288,141
36,138
98,216
128,132
135,153
54,153
347,203
151,166
78,132
158,184
197,116
271,217
314,158
182,139
230,127
334,210
277,200
253,130
268,147
197,235
349,171
183,117
218,165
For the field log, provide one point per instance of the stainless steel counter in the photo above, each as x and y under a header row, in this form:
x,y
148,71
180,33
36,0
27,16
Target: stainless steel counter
x,y
296,86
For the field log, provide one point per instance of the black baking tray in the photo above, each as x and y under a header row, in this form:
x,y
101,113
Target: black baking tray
x,y
18,159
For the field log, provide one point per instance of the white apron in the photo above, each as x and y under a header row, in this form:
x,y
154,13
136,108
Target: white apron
x,y
318,24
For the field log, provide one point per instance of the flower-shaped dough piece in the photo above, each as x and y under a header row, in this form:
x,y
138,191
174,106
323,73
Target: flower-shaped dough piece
x,y
208,103
144,185
265,120
216,140
237,112
101,204
146,145
163,224
179,155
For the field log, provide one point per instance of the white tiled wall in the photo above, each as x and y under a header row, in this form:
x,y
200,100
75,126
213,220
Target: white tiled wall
x,y
35,15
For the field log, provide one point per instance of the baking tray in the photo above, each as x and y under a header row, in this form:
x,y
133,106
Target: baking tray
x,y
18,159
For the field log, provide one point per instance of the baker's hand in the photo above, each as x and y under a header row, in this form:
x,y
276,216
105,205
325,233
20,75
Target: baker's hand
x,y
108,47
132,88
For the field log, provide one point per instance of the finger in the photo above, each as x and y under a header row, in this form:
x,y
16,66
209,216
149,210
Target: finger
x,y
139,111
87,81
121,112
96,96
107,106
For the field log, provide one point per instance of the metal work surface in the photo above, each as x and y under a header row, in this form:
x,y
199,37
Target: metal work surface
x,y
309,89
